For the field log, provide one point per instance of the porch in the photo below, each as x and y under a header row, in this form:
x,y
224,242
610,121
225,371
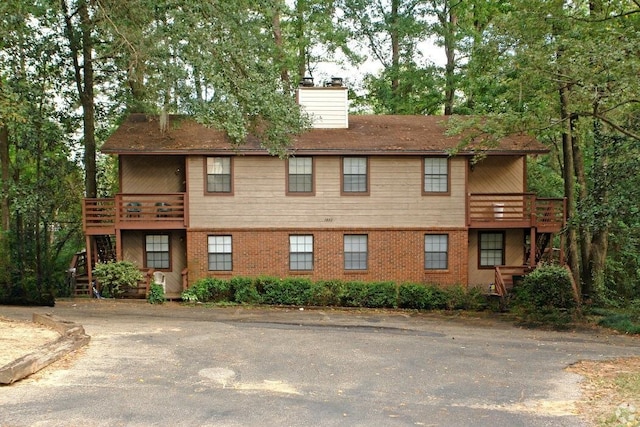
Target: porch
x,y
515,210
134,211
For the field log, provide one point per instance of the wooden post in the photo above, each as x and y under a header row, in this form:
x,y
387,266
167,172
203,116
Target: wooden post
x,y
89,262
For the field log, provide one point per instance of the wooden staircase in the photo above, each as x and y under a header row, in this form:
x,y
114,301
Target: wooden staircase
x,y
78,273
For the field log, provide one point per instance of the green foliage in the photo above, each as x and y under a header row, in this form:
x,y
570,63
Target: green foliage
x,y
373,295
290,291
625,320
245,290
547,287
156,294
115,277
421,297
460,298
325,293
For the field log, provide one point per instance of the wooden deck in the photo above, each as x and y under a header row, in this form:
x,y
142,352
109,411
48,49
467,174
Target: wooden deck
x,y
134,212
515,210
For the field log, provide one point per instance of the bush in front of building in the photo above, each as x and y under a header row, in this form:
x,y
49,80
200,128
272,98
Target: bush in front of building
x,y
546,297
300,291
421,297
244,290
289,291
546,288
460,298
326,293
115,277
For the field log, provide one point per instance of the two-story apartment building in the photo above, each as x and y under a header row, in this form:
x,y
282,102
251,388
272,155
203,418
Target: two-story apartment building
x,y
361,197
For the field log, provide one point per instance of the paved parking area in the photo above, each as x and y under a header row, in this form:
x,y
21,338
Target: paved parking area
x,y
197,366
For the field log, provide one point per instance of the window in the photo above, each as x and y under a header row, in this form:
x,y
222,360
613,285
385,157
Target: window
x,y
354,175
300,175
491,249
436,175
436,248
219,174
355,252
219,250
301,252
157,251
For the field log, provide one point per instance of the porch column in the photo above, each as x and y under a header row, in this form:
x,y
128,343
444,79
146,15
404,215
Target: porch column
x,y
533,249
89,262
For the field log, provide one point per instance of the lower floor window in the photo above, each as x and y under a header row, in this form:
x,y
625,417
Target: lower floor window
x,y
355,252
301,252
436,249
220,254
491,249
157,251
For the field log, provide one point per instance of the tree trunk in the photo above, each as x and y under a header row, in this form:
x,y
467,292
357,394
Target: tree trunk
x,y
5,220
301,7
395,56
277,37
84,84
584,231
449,23
569,184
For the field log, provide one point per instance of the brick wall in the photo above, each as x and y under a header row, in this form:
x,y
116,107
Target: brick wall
x,y
396,255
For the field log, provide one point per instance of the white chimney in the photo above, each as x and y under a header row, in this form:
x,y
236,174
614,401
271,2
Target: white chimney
x,y
327,106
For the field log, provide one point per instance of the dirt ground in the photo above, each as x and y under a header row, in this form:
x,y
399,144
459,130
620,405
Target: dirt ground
x,y
601,399
18,339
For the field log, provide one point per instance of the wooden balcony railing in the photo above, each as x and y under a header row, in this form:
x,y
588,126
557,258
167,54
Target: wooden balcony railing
x,y
134,211
515,210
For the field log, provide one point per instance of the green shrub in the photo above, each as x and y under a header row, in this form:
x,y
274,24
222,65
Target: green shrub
x,y
116,276
421,297
245,290
156,294
381,295
353,294
290,291
326,293
547,287
459,297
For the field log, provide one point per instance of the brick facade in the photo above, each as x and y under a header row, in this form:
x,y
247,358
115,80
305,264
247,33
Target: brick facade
x,y
396,255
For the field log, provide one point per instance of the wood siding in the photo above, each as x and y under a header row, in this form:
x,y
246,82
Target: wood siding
x,y
152,174
133,250
498,174
260,200
514,255
328,107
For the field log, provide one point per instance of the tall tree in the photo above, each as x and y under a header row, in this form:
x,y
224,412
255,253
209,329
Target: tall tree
x,y
574,86
79,28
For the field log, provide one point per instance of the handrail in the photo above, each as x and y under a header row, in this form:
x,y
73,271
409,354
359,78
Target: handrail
x,y
515,209
501,288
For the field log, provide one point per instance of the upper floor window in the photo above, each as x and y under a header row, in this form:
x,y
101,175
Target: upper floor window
x,y
491,249
300,175
436,175
301,252
219,175
436,250
220,254
157,251
355,252
355,178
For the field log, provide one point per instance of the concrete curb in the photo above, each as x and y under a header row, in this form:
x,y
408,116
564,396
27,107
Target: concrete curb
x,y
72,337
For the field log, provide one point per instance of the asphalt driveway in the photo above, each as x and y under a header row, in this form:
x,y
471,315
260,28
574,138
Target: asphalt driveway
x,y
195,366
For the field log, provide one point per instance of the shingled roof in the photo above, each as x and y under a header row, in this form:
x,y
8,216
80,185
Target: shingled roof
x,y
367,135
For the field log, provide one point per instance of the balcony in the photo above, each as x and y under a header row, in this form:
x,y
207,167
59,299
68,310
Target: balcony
x,y
134,211
515,210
